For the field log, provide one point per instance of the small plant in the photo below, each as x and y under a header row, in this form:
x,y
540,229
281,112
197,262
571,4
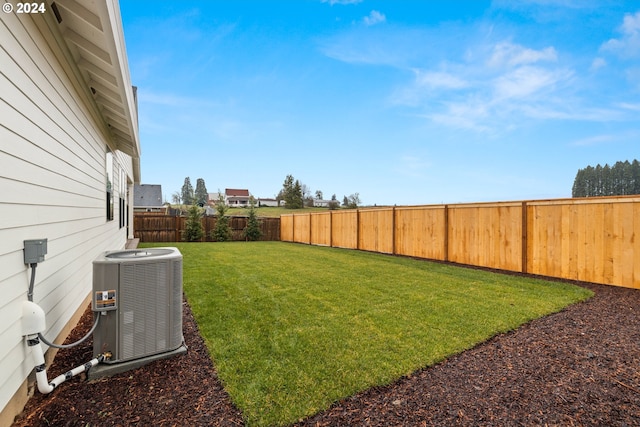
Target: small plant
x,y
222,231
252,230
193,228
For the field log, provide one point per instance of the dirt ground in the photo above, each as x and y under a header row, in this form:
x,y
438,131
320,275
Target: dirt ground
x,y
577,367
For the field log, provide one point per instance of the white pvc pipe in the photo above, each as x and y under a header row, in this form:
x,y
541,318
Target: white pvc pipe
x,y
44,386
41,368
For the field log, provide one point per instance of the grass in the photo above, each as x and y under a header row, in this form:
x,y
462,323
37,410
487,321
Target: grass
x,y
293,328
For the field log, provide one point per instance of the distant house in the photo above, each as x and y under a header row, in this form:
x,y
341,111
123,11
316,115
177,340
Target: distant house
x,y
70,158
318,203
268,202
212,199
147,198
236,198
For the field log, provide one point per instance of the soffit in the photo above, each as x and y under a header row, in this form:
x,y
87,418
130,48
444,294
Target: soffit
x,y
92,30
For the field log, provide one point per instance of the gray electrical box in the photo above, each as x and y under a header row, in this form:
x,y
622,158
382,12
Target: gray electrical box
x,y
34,250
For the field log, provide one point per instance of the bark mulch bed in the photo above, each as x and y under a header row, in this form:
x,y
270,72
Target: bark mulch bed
x,y
577,367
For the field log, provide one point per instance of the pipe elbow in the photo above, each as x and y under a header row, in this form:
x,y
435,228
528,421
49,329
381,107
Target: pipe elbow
x,y
43,385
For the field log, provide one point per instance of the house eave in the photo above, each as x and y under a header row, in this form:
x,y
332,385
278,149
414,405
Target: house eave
x,y
93,33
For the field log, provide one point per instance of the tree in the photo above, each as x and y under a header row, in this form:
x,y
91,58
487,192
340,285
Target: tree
x,y
297,198
318,195
620,179
193,227
353,201
201,194
334,203
187,192
221,232
287,188
292,193
252,230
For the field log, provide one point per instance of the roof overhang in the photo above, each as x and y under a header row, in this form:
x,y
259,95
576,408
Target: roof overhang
x,y
92,30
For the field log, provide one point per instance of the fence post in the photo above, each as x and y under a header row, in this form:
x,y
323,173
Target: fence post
x,y
446,233
358,229
393,230
525,243
331,229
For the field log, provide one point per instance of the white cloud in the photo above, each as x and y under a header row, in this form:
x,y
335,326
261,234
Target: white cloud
x,y
332,2
510,55
374,18
627,46
627,106
598,63
436,79
470,115
527,81
494,92
593,140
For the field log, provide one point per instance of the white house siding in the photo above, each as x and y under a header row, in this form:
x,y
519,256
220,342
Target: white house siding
x,y
53,148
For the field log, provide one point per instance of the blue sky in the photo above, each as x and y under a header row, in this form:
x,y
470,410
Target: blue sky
x,y
403,102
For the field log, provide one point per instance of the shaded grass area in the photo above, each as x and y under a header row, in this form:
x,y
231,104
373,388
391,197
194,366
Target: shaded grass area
x,y
293,328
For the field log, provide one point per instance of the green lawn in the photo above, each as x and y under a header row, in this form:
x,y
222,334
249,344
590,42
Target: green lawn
x,y
292,328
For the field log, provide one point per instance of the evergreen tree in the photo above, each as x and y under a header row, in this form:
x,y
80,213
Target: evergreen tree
x,y
187,192
297,198
222,231
201,193
635,176
193,231
292,193
334,203
622,178
287,190
252,230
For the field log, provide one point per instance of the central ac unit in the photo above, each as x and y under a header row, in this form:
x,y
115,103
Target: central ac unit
x,y
138,294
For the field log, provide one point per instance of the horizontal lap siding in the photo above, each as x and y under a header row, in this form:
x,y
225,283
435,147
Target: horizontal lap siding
x,y
53,185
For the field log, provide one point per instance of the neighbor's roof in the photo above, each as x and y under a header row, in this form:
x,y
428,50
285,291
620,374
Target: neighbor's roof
x,y
236,192
92,30
147,195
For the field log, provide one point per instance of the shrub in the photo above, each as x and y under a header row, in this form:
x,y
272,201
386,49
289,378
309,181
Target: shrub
x,y
222,231
252,230
193,228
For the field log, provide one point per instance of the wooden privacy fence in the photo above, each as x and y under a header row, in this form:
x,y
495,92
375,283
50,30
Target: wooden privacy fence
x,y
163,228
587,239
